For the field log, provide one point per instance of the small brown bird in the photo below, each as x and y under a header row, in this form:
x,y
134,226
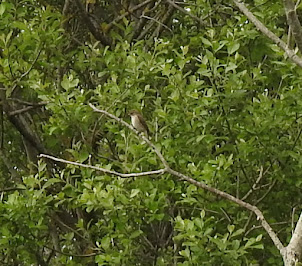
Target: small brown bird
x,y
138,122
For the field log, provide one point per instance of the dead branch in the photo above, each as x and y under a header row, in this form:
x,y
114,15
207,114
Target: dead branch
x,y
103,170
90,25
293,22
119,18
23,110
199,20
290,53
26,103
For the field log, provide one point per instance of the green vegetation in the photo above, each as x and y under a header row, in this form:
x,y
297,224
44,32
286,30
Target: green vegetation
x,y
223,103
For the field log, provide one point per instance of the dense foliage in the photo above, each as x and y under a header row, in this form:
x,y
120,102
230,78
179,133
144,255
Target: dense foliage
x,y
223,104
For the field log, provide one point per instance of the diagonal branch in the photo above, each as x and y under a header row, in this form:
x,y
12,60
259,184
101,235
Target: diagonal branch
x,y
181,176
163,25
31,66
295,244
160,156
290,53
293,22
199,20
166,15
26,103
28,70
116,20
23,110
95,31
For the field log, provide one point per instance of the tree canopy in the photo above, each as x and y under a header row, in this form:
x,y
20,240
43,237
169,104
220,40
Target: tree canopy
x,y
220,86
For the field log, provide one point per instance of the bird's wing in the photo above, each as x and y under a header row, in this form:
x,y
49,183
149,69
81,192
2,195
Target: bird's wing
x,y
143,122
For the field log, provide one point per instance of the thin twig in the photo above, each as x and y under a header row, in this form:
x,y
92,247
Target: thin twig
x,y
166,27
259,226
32,65
20,111
28,71
57,218
267,192
110,25
226,215
74,255
254,187
166,15
26,103
106,171
66,7
199,20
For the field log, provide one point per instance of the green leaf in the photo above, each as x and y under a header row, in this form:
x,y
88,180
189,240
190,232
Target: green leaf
x,y
83,156
68,82
206,41
51,182
136,233
233,47
2,9
238,232
134,192
105,242
230,67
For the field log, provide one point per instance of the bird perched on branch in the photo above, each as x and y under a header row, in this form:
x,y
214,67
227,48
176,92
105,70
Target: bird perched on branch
x,y
138,122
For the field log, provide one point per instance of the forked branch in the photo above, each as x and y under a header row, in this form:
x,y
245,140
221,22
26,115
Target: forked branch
x,y
259,25
181,176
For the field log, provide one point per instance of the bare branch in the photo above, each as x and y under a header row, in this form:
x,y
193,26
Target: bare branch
x,y
11,189
267,192
23,110
165,17
28,71
66,7
199,20
95,31
74,255
254,187
222,194
110,25
259,226
25,102
148,27
293,22
103,170
290,53
143,16
31,67
294,248
58,219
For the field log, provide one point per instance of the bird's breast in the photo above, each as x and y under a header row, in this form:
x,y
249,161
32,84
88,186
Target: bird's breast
x,y
136,123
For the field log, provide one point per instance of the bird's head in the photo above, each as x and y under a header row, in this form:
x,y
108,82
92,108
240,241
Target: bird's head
x,y
134,112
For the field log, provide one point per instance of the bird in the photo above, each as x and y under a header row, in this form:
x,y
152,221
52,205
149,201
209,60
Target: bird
x,y
138,122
